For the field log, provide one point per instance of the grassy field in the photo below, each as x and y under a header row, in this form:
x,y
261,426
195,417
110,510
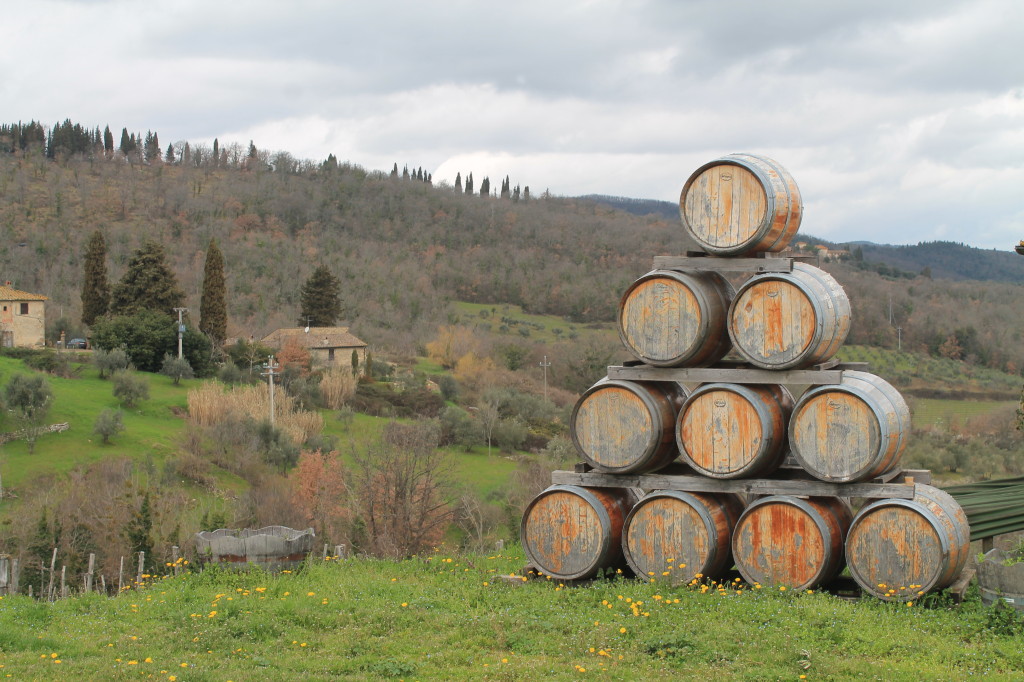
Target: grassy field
x,y
448,616
150,428
505,319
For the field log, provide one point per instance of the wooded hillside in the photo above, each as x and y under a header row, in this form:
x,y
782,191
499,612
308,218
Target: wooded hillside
x,y
405,249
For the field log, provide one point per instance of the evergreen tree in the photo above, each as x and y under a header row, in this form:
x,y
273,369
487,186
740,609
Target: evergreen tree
x,y
108,141
169,156
458,182
148,284
216,151
394,170
405,172
469,184
126,143
139,530
213,310
321,306
95,287
485,187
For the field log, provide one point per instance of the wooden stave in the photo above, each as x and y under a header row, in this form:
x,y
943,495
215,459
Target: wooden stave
x,y
783,207
773,404
713,294
832,316
718,514
830,516
943,515
610,506
662,400
894,426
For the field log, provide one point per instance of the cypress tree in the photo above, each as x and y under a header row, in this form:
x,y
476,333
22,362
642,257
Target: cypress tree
x,y
213,311
148,284
95,287
321,306
458,182
169,156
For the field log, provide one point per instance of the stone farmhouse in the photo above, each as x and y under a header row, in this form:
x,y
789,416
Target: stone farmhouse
x,y
326,345
22,318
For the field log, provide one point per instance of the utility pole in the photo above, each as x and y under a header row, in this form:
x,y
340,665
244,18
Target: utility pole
x,y
181,328
545,364
270,371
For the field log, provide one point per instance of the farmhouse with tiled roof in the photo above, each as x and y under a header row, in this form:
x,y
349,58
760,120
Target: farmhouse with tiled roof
x,y
326,345
22,318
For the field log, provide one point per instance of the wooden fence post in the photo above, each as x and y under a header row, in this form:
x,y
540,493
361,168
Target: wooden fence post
x,y
88,574
174,559
63,582
53,569
120,577
142,564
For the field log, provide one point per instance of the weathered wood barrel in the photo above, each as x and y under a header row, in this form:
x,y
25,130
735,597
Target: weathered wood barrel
x,y
734,430
741,204
791,541
570,532
851,431
899,549
676,319
789,320
627,426
674,536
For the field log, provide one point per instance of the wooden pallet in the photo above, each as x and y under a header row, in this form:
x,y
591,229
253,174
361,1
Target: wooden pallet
x,y
788,482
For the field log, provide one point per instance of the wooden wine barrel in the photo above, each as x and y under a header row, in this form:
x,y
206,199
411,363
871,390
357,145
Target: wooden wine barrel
x,y
627,426
734,430
741,204
791,541
789,320
898,549
571,532
676,319
674,536
852,431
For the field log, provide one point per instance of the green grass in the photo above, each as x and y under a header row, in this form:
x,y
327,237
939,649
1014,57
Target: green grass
x,y
936,413
518,325
448,617
150,428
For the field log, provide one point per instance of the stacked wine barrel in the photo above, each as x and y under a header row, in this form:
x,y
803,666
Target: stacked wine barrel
x,y
741,426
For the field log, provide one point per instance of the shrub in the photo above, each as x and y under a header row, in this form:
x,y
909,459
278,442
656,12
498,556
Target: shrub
x,y
509,435
230,374
130,388
110,361
108,424
176,368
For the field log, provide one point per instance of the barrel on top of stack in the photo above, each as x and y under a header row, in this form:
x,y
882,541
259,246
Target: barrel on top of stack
x,y
741,204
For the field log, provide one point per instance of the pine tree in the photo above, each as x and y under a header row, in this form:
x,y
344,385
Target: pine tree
x,y
321,306
139,530
148,284
126,143
95,287
108,141
213,310
169,156
458,182
485,187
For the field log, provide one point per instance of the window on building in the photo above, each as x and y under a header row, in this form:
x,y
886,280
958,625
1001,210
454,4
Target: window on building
x,y
24,308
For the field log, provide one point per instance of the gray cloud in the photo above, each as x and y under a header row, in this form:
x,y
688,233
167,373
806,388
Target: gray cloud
x,y
900,121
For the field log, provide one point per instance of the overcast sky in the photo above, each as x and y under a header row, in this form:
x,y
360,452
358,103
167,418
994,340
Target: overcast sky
x,y
901,120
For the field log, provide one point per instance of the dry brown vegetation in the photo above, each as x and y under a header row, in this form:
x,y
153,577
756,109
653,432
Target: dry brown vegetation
x,y
210,405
